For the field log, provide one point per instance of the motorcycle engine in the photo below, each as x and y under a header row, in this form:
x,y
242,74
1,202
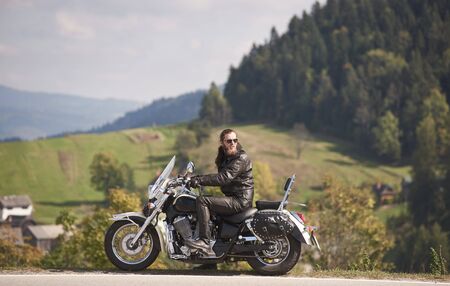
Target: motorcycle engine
x,y
183,227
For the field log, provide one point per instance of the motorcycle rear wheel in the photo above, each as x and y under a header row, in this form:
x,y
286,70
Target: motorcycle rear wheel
x,y
128,258
279,260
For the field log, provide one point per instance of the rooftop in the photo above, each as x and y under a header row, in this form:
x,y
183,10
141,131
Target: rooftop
x,y
15,201
46,231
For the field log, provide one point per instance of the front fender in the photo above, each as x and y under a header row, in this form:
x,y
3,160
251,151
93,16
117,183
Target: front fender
x,y
128,216
299,233
139,219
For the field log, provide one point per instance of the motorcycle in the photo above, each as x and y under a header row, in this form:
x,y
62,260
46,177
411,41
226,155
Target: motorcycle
x,y
268,237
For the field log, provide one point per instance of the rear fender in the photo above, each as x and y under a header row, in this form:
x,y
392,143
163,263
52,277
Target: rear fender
x,y
300,232
138,219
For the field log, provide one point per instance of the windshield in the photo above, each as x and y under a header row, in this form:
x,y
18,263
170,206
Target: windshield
x,y
164,175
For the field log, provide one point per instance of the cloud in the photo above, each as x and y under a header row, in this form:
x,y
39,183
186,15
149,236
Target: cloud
x,y
16,3
114,48
194,5
195,44
71,27
6,50
162,24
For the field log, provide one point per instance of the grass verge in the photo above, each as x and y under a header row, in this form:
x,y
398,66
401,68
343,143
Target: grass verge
x,y
376,275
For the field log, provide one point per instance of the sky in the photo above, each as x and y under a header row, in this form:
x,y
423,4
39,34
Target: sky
x,y
137,50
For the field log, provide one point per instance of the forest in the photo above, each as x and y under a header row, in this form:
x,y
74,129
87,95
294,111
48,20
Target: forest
x,y
373,72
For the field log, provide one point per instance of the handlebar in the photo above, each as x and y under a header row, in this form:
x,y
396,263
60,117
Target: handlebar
x,y
179,181
182,181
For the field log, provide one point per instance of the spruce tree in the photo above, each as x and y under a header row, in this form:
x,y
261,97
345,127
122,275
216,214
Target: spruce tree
x,y
425,173
387,137
215,109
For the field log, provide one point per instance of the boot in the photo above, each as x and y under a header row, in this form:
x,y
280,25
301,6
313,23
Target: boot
x,y
202,245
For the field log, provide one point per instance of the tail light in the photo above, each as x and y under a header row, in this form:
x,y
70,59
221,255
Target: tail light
x,y
301,216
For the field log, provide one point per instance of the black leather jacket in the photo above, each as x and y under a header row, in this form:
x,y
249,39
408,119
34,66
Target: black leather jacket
x,y
235,178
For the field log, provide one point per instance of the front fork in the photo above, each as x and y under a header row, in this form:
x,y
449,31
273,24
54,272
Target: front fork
x,y
154,213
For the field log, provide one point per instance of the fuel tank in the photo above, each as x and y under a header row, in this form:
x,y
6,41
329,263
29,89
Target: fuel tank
x,y
185,204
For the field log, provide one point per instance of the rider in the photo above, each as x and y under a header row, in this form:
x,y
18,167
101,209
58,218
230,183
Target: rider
x,y
235,179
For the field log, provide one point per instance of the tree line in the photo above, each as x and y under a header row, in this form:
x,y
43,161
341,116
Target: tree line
x,y
361,70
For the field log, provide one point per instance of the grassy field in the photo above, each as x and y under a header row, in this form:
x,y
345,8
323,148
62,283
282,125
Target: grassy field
x,y
54,172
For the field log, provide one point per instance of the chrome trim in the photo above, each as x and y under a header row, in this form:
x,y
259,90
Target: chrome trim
x,y
315,241
247,238
249,226
124,248
286,193
150,218
126,216
170,241
184,195
169,238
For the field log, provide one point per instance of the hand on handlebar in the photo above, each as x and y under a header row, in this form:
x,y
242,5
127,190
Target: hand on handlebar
x,y
193,182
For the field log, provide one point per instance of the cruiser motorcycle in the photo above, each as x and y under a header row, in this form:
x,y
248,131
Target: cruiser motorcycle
x,y
268,237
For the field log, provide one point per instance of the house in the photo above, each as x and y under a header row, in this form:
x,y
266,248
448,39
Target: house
x,y
387,196
43,237
15,209
384,193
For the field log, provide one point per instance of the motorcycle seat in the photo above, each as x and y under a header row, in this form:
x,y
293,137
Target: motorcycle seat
x,y
240,217
269,205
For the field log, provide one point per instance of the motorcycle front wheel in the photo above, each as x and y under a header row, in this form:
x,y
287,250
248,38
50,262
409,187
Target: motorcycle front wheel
x,y
280,259
127,257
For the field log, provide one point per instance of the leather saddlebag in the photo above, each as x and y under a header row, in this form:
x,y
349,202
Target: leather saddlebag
x,y
271,224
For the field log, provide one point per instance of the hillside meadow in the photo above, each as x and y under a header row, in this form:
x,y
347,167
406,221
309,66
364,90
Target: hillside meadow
x,y
55,172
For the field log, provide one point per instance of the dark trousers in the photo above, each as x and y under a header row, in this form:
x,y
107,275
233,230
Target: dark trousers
x,y
220,206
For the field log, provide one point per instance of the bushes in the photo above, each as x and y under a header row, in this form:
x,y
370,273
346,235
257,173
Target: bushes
x,y
350,234
412,245
12,255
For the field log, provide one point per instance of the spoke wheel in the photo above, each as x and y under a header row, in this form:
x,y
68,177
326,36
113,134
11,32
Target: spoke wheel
x,y
131,257
121,245
279,259
278,252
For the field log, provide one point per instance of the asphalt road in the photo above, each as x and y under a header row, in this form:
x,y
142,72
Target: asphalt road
x,y
188,280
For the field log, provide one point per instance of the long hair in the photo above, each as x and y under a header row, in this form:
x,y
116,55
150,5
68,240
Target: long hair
x,y
221,156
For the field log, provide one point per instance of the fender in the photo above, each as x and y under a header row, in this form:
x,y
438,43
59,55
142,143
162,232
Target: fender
x,y
139,219
299,233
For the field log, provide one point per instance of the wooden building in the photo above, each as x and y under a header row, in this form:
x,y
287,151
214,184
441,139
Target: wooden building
x,y
43,237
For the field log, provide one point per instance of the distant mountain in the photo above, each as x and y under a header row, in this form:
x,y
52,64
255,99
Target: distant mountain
x,y
160,112
29,115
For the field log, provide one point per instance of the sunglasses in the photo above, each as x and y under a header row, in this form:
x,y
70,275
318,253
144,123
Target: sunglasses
x,y
229,141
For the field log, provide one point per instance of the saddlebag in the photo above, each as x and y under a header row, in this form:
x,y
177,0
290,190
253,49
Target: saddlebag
x,y
270,224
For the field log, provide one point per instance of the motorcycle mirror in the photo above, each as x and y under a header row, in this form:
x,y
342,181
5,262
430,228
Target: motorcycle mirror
x,y
190,168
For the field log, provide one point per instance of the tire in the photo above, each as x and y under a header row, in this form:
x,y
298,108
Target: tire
x,y
117,255
285,265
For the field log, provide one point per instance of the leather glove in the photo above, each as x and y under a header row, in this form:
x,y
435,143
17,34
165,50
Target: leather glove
x,y
194,182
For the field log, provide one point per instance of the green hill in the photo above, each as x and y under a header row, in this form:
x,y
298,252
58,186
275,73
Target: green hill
x,y
54,172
